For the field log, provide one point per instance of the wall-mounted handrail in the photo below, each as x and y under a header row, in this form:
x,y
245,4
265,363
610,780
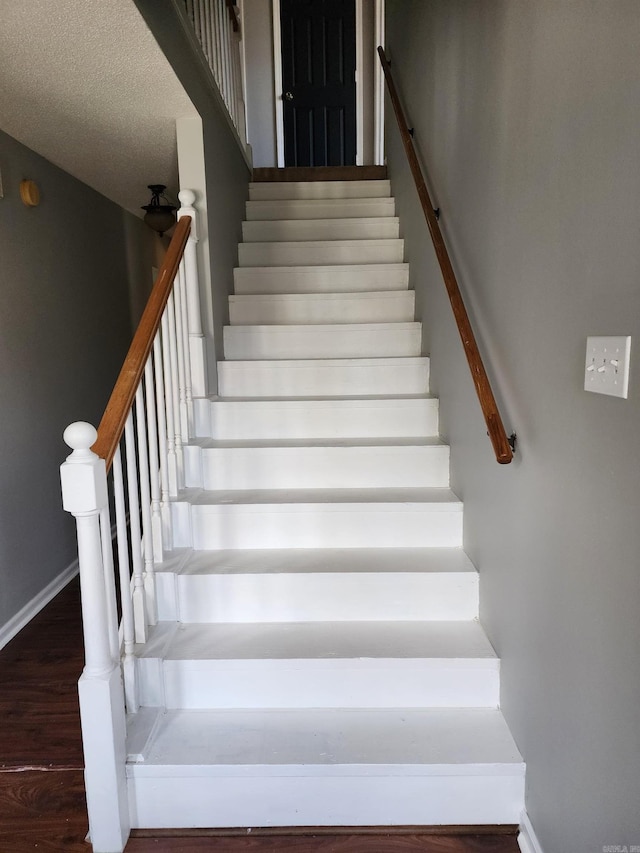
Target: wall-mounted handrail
x,y
123,395
495,427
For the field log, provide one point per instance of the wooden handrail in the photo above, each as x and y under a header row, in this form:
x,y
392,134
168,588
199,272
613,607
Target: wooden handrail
x,y
495,427
124,392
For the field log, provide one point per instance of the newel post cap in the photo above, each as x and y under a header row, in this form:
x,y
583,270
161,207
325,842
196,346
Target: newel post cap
x,y
187,200
83,474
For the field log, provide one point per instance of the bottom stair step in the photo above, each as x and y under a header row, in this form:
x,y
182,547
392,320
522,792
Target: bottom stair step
x,y
327,768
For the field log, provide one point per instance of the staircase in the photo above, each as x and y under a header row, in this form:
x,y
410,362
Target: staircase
x,y
318,659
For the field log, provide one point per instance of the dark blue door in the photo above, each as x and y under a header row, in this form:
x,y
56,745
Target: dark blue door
x,y
318,76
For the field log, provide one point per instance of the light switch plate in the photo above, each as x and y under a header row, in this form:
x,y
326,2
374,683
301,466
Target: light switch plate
x,y
606,369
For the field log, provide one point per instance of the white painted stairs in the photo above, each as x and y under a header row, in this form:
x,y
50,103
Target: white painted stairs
x,y
318,658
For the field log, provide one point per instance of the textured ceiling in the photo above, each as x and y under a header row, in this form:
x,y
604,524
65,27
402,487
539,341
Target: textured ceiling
x,y
84,84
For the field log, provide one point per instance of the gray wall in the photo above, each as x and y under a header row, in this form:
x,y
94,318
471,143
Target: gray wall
x,y
529,116
72,270
227,172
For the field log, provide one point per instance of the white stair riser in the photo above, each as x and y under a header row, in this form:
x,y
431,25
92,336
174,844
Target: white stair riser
x,y
323,378
380,525
356,340
321,252
367,683
383,307
319,467
319,208
308,419
319,189
377,228
318,597
270,796
351,278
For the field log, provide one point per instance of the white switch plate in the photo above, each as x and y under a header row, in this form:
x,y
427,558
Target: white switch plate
x,y
606,369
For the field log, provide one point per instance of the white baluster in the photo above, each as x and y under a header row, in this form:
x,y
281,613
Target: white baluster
x,y
190,12
208,34
154,468
217,21
188,429
145,501
241,124
225,53
167,537
234,47
201,22
139,596
172,459
175,386
185,346
197,356
109,582
229,46
84,495
215,37
180,351
124,574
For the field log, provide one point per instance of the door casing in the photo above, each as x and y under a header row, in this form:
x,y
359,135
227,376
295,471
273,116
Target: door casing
x,y
378,84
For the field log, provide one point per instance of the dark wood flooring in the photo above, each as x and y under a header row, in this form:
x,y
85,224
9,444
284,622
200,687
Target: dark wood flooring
x,y
42,802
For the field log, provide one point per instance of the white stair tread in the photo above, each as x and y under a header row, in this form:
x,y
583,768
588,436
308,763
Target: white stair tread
x,y
404,441
309,364
343,741
319,189
352,228
336,245
350,278
289,308
349,329
320,560
437,498
356,401
324,377
317,641
283,253
305,298
319,208
322,340
348,401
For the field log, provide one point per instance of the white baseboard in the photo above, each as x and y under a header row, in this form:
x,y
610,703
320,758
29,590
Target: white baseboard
x,y
33,607
527,839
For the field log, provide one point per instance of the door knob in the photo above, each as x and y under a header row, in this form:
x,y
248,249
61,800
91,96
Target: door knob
x,y
288,96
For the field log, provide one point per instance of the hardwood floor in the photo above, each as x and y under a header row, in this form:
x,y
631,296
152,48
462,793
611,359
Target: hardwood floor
x,y
321,173
42,802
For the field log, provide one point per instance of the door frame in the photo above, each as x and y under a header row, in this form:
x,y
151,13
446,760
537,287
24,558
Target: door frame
x,y
378,84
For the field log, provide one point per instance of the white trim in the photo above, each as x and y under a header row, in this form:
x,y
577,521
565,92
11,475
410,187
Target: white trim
x,y
527,839
378,88
9,630
277,82
359,85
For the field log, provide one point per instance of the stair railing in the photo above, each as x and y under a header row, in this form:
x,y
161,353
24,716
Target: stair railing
x,y
216,25
133,463
502,445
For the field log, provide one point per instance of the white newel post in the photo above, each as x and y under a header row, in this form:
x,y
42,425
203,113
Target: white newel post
x,y
196,338
84,495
